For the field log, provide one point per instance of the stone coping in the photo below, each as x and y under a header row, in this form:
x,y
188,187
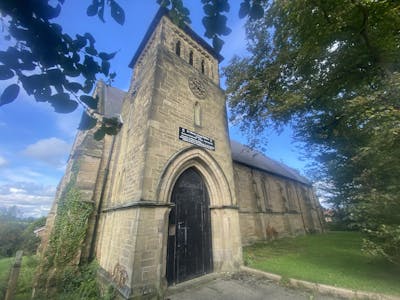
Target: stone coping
x,y
322,288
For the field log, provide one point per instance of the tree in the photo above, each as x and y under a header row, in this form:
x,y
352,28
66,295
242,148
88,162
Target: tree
x,y
16,232
54,67
331,69
30,240
49,64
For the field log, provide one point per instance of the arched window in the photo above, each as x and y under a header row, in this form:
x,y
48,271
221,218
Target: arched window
x,y
178,48
202,66
191,58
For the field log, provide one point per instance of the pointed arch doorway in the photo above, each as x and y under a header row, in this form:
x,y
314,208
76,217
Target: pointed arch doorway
x,y
189,251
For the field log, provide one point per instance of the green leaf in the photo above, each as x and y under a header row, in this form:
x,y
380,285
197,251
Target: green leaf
x,y
244,9
62,103
80,42
99,134
209,26
107,56
75,57
10,57
47,12
43,94
89,101
256,11
117,13
111,130
92,9
91,50
88,86
101,10
222,5
5,73
9,94
55,76
105,67
112,122
33,82
90,67
217,44
20,34
28,66
90,38
73,86
209,9
72,72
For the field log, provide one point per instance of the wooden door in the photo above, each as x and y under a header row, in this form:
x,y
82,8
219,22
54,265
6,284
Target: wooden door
x,y
189,233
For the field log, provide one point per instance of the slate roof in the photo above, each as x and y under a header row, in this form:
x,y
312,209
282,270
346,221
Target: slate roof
x,y
114,98
252,158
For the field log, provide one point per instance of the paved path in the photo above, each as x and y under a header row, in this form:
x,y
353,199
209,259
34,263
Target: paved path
x,y
239,286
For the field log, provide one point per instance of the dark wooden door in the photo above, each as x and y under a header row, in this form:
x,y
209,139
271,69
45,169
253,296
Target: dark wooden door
x,y
189,235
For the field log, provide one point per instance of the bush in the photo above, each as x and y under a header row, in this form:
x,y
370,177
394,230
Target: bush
x,y
385,241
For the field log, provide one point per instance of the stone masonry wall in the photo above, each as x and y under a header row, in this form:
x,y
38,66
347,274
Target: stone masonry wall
x,y
134,222
173,107
271,203
85,164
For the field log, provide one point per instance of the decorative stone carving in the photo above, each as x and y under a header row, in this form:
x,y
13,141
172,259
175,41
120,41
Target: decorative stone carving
x,y
197,87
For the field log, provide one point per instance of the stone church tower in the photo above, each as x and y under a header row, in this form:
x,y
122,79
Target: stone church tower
x,y
173,197
170,211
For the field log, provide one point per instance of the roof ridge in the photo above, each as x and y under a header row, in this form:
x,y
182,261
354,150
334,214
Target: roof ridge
x,y
257,159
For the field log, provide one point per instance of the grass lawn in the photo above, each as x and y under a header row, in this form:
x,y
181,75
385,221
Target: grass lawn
x,y
25,279
5,265
333,258
27,271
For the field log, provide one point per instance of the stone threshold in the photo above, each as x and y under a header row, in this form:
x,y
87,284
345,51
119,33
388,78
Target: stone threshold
x,y
321,288
198,281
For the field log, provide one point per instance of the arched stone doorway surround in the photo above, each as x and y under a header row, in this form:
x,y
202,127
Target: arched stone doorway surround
x,y
226,243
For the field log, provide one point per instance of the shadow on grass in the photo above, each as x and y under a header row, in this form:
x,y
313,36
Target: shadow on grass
x,y
334,258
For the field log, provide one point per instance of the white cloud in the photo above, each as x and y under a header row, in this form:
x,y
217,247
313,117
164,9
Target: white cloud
x,y
3,161
52,151
29,205
14,190
31,199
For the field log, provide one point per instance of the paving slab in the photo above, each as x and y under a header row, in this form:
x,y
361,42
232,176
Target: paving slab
x,y
238,286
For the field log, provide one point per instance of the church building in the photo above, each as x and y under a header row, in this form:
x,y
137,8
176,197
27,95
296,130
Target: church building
x,y
174,198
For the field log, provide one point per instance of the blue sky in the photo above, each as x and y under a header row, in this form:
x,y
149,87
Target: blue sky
x,y
36,141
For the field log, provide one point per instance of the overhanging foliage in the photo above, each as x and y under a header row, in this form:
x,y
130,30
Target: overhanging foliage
x,y
332,69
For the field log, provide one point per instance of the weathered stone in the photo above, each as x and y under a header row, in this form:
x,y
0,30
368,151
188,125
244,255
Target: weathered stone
x,y
130,177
